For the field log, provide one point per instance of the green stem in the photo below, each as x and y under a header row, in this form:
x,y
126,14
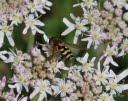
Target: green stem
x,y
30,40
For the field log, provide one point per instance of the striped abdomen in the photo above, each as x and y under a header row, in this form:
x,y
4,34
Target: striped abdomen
x,y
65,52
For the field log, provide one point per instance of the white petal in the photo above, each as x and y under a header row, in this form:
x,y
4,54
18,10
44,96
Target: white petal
x,y
25,99
9,37
69,24
113,62
75,38
93,59
85,58
25,29
89,41
123,87
39,31
122,75
34,93
63,94
41,97
1,38
48,3
107,61
68,30
72,16
46,38
39,23
31,16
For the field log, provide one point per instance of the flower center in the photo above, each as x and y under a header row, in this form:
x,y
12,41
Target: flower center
x,y
110,52
103,98
53,65
125,46
63,88
79,26
21,79
16,17
32,5
31,22
43,86
86,65
95,36
100,77
90,18
113,86
5,28
18,58
76,75
88,2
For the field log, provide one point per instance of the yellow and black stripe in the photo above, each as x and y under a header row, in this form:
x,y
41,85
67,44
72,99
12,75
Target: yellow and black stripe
x,y
60,45
65,52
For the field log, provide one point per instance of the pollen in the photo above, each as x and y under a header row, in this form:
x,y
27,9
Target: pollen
x,y
110,52
103,98
63,88
18,58
53,65
43,86
113,86
31,22
21,79
79,26
101,77
95,36
86,65
5,28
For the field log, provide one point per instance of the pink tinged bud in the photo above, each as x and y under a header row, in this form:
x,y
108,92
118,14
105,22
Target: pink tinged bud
x,y
3,82
26,56
107,5
118,12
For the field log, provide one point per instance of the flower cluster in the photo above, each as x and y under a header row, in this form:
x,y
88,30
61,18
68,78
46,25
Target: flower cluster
x,y
17,12
80,82
96,26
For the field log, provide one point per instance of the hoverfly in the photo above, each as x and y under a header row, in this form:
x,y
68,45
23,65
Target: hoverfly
x,y
66,49
60,46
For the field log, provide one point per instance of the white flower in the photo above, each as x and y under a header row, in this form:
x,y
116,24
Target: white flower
x,y
55,66
125,32
20,82
42,87
7,30
86,66
119,3
87,3
108,5
30,22
91,15
125,16
38,6
75,75
122,24
79,26
113,85
63,87
16,18
110,51
105,97
124,47
94,37
101,76
8,59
